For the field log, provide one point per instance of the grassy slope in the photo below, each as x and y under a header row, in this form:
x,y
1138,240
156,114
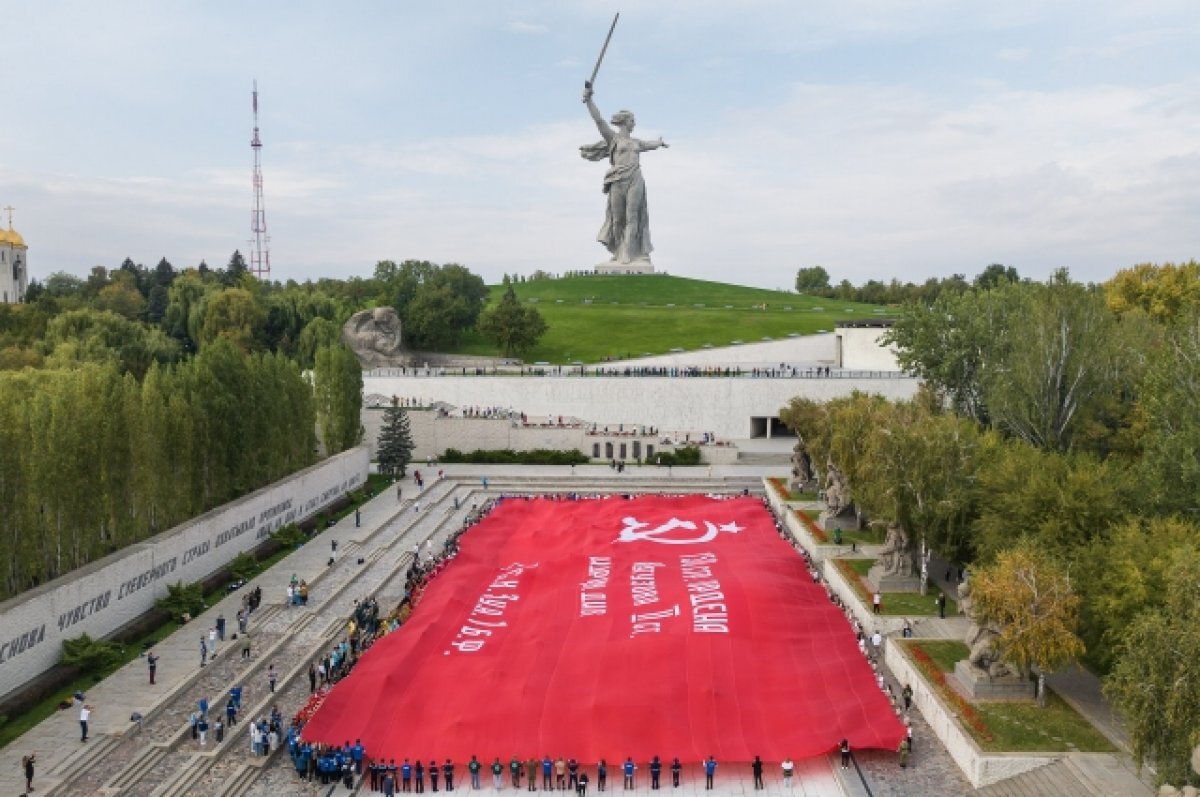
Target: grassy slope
x,y
629,316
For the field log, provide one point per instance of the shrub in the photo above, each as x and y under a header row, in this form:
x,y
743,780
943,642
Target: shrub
x,y
90,655
243,567
182,599
688,455
290,536
934,675
506,456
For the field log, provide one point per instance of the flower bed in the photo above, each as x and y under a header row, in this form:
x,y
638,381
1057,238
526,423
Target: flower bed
x,y
853,578
816,531
779,486
934,675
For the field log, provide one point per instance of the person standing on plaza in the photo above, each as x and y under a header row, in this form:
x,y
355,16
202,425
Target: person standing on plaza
x,y
389,785
85,714
406,776
203,650
473,767
788,768
433,775
202,729
601,775
655,772
271,677
448,772
531,770
560,773
710,769
902,753
212,642
629,767
582,784
547,769
573,774
419,777
907,694
844,749
497,773
941,605
27,763
152,663
876,602
756,766
676,768
246,645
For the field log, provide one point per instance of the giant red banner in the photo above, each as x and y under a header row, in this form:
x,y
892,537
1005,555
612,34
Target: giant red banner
x,y
612,628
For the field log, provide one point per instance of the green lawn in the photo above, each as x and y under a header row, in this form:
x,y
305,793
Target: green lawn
x,y
871,535
591,318
945,653
903,604
1024,727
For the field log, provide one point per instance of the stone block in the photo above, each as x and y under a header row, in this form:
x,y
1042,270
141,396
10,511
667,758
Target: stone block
x,y
975,684
882,582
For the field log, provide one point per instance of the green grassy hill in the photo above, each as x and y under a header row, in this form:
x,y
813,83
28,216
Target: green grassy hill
x,y
591,318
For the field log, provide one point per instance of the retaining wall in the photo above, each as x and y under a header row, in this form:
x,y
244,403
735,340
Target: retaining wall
x,y
103,596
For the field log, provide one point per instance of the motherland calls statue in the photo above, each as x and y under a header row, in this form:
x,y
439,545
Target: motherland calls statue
x,y
374,336
626,230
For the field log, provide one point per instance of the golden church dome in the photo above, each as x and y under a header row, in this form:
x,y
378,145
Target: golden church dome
x,y
12,237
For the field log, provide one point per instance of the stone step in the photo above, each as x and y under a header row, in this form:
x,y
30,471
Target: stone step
x,y
1053,779
1107,775
146,759
180,782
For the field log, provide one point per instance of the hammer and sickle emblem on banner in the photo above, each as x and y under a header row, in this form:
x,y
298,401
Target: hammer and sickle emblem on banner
x,y
636,531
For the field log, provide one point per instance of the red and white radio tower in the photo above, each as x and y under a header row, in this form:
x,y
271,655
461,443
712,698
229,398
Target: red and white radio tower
x,y
260,245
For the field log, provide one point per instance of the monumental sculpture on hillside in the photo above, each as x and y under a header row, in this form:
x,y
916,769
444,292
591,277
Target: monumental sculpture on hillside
x,y
626,230
374,336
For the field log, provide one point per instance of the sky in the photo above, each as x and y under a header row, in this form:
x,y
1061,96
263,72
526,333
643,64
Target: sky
x,y
879,139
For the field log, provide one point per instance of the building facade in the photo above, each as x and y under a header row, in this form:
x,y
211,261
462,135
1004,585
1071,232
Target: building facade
x,y
14,265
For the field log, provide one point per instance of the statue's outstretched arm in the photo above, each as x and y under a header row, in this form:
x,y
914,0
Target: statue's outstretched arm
x,y
601,125
643,146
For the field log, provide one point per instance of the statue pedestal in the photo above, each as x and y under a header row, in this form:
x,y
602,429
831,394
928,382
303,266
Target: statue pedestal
x,y
975,684
639,266
879,581
845,522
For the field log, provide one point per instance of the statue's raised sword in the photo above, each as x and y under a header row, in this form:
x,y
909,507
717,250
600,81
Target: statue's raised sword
x,y
587,84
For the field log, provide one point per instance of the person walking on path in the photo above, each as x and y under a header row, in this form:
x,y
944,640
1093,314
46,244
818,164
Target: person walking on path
x,y
756,766
907,694
941,604
876,602
271,677
312,677
85,714
902,753
212,642
202,729
152,663
844,749
246,645
710,769
788,768
27,764
203,650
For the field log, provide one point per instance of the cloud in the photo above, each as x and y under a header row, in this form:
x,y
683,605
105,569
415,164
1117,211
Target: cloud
x,y
526,28
1013,54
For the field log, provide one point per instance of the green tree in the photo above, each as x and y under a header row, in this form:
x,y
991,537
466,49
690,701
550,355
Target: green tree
x,y
996,275
1155,684
1161,291
813,278
1029,596
1170,469
233,314
337,381
513,328
92,656
395,445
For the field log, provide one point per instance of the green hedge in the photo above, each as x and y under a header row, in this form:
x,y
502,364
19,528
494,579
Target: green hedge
x,y
689,455
506,456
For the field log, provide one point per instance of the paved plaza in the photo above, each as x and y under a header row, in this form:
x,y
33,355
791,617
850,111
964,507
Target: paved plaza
x,y
158,757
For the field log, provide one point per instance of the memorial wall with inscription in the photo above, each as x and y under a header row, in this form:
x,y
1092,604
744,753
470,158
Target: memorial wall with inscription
x,y
100,598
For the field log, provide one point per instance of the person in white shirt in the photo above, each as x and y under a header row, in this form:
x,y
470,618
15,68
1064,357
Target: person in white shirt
x,y
85,714
788,768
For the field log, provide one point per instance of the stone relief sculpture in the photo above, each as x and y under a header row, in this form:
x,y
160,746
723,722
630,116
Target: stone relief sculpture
x,y
981,638
374,336
802,473
897,553
626,230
